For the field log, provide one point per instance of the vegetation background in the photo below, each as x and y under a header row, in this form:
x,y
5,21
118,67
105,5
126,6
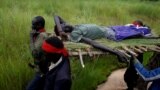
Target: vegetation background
x,y
15,24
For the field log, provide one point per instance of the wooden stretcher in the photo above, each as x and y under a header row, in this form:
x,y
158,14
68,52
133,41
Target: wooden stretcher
x,y
128,47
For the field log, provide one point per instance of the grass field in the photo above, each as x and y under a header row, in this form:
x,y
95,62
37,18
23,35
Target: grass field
x,y
15,24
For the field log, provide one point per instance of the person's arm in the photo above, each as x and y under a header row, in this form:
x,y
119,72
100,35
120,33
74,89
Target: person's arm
x,y
146,74
64,36
58,28
75,36
58,24
61,20
31,40
33,36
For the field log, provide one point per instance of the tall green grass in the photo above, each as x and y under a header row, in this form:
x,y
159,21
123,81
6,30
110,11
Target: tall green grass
x,y
95,72
15,23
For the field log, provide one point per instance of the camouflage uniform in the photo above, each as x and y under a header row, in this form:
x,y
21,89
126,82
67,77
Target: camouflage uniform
x,y
35,44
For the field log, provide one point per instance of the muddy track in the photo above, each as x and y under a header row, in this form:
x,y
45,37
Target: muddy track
x,y
115,81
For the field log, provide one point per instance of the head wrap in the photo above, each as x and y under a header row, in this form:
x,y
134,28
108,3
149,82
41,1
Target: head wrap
x,y
137,23
51,49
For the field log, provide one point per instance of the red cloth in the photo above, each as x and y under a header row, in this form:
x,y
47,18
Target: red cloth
x,y
51,49
136,23
41,30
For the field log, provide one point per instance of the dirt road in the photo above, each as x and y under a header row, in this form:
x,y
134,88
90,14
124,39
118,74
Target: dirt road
x,y
115,81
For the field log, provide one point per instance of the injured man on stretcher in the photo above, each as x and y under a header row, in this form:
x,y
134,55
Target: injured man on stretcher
x,y
87,33
92,31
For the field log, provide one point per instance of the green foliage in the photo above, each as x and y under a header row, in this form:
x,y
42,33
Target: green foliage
x,y
147,57
93,74
15,23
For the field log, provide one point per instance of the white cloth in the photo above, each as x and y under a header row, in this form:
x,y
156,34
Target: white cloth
x,y
53,65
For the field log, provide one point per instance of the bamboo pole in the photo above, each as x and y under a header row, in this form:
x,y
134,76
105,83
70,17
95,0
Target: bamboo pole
x,y
124,52
157,47
142,48
75,53
89,52
129,51
153,49
136,49
81,58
